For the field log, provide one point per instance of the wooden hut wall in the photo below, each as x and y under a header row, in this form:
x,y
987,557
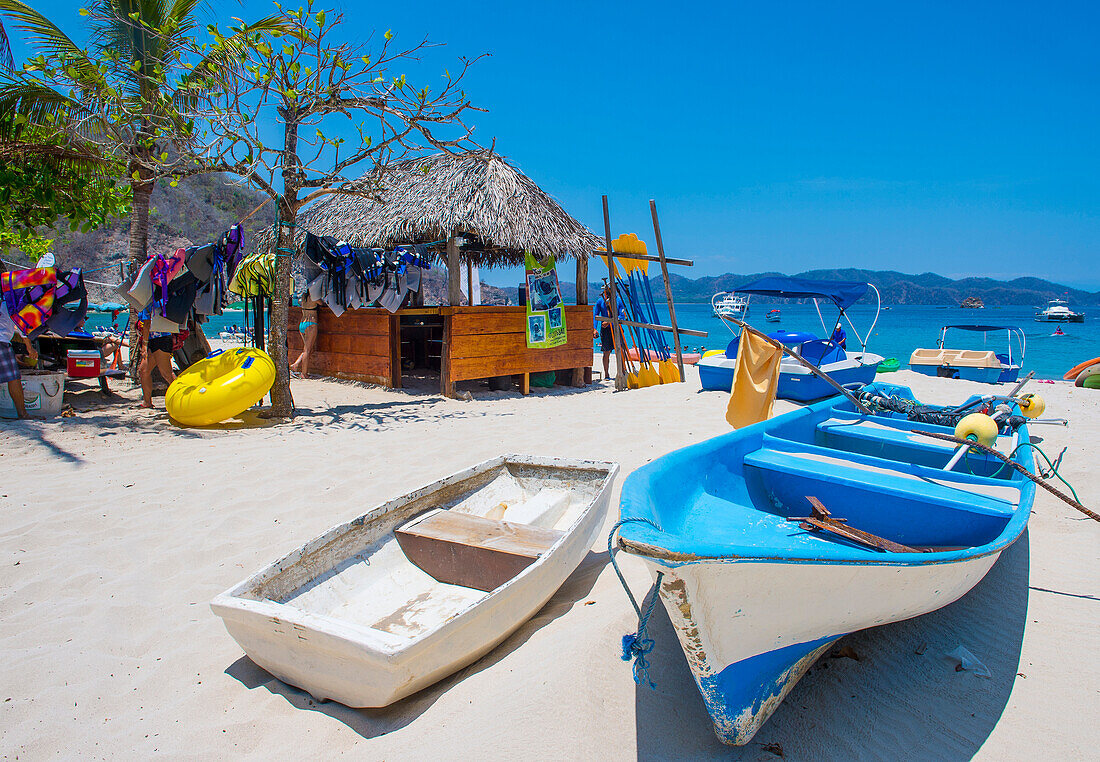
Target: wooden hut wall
x,y
357,345
491,341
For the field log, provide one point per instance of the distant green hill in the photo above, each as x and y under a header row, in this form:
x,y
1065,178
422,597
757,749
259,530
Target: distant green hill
x,y
895,287
198,210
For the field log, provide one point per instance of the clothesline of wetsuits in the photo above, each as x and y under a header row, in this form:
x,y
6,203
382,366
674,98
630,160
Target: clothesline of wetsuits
x,y
346,278
196,279
44,299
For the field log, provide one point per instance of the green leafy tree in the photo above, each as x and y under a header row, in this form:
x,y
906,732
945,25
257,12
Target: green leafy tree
x,y
131,92
304,78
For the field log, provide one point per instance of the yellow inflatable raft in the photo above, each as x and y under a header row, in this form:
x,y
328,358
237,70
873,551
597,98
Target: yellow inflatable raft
x,y
223,385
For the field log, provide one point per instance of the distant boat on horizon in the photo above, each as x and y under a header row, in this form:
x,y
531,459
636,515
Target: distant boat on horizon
x,y
1058,311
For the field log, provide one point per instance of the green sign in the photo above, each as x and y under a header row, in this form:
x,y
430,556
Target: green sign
x,y
545,309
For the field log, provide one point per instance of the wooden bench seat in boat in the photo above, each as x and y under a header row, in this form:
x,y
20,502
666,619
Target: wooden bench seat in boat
x,y
959,358
906,503
894,439
473,551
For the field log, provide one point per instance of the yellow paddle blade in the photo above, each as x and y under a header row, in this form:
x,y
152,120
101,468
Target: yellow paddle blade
x,y
648,377
628,243
632,381
668,372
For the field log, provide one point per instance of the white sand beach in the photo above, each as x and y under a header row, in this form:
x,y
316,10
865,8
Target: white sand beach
x,y
119,528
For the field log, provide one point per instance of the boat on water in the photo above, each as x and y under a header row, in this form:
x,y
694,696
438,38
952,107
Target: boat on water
x,y
773,316
796,382
982,365
1058,311
730,304
390,602
759,581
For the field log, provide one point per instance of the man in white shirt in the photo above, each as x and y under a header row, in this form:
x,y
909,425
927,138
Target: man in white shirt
x,y
9,366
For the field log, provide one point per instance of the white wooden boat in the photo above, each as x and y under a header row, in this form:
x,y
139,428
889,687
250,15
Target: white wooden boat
x,y
349,617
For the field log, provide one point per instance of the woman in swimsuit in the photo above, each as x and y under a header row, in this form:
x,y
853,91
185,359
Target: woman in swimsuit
x,y
308,329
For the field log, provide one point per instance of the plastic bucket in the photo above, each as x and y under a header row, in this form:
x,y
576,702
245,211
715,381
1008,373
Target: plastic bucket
x,y
43,391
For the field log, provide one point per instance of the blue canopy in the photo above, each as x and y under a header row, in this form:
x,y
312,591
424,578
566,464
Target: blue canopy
x,y
841,292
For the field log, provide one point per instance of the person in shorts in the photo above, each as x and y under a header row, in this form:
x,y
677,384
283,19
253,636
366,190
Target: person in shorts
x,y
9,366
158,352
603,330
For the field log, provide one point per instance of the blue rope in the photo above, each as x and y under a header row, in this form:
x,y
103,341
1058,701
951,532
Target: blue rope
x,y
638,645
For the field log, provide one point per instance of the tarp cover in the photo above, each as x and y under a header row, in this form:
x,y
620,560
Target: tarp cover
x,y
842,293
982,328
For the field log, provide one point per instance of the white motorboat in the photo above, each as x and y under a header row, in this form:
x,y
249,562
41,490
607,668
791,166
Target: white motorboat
x,y
1058,311
729,304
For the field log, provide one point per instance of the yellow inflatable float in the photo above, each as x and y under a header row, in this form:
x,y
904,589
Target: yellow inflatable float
x,y
223,385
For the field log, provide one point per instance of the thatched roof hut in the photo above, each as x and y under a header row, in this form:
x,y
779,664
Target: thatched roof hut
x,y
478,196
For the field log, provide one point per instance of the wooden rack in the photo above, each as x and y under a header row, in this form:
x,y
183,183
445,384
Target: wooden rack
x,y
676,331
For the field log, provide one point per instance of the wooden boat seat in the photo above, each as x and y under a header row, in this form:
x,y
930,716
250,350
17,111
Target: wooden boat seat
x,y
879,438
960,358
909,504
472,551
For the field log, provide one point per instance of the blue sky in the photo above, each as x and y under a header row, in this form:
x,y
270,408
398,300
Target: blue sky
x,y
955,138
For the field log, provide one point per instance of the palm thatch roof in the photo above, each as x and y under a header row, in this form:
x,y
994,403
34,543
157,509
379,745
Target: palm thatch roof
x,y
477,195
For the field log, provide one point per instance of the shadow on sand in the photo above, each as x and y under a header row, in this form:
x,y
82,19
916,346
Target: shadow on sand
x,y
902,697
371,723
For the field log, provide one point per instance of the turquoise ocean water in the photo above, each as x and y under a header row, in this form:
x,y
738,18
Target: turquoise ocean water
x,y
900,330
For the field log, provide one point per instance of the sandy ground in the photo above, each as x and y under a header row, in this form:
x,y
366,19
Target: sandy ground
x,y
118,528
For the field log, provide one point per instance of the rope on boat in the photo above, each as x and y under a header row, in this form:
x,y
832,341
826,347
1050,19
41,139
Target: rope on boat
x,y
1013,464
636,646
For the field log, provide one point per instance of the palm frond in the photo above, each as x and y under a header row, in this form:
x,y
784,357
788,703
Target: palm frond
x,y
50,39
6,61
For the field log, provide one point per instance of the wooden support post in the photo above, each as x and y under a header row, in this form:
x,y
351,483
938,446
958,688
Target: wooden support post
x,y
470,282
668,288
525,384
454,274
446,385
582,298
612,308
395,351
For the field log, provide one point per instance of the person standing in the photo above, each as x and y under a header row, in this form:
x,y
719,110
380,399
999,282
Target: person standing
x,y
603,329
308,327
157,348
9,366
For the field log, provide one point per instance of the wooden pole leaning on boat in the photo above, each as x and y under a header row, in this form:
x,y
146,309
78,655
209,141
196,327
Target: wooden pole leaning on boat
x,y
1016,389
803,362
668,288
612,307
1008,461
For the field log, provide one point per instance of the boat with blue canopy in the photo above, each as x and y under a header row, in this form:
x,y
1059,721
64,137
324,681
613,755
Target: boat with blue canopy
x,y
982,365
771,542
796,382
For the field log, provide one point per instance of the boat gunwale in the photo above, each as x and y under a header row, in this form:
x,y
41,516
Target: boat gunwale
x,y
1012,531
377,641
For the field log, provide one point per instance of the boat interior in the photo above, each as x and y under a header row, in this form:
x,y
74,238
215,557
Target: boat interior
x,y
412,565
959,358
872,472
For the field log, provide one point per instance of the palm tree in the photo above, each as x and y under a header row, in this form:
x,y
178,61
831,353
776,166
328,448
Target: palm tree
x,y
131,91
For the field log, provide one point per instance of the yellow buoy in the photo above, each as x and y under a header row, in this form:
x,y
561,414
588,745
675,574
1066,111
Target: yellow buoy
x,y
223,385
977,427
1032,405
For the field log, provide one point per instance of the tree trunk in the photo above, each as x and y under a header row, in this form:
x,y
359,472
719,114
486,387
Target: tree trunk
x,y
282,403
139,252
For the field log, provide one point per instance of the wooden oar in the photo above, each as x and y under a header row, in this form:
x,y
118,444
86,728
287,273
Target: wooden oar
x,y
803,362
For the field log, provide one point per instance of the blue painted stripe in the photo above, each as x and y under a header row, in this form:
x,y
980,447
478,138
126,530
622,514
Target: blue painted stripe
x,y
738,696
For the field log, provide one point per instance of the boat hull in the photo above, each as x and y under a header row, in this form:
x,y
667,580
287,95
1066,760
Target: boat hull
x,y
795,382
746,652
363,666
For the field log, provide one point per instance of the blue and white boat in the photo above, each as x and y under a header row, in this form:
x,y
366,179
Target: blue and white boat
x,y
796,382
982,365
756,596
